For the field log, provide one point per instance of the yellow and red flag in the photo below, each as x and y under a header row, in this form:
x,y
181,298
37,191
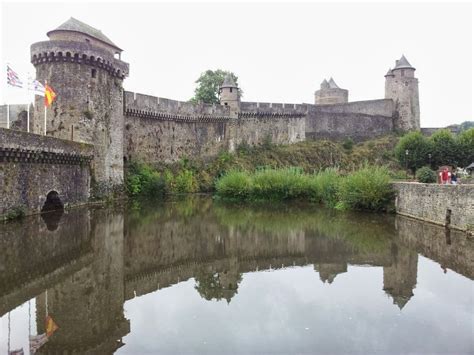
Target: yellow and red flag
x,y
51,327
49,95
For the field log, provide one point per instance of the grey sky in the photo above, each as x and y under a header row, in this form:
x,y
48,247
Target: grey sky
x,y
280,51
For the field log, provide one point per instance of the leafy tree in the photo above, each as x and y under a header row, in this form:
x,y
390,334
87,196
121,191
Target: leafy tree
x,y
465,141
445,150
466,125
207,90
417,146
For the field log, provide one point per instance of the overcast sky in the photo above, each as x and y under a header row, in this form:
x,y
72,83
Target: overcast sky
x,y
280,51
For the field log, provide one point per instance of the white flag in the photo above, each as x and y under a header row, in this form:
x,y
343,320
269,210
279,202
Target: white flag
x,y
13,79
35,86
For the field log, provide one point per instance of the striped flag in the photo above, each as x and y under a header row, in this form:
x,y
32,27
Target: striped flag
x,y
35,86
49,95
13,79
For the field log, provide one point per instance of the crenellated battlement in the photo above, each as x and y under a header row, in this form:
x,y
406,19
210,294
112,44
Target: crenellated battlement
x,y
75,52
146,106
271,108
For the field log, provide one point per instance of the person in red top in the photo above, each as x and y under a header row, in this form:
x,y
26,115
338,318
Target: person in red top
x,y
445,176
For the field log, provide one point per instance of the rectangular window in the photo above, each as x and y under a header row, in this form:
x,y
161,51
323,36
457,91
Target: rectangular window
x,y
230,89
93,73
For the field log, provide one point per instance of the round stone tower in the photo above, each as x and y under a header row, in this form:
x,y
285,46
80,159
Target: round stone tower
x,y
229,94
84,69
402,87
330,94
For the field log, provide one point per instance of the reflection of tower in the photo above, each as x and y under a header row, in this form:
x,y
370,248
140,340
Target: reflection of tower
x,y
88,306
328,272
229,280
399,279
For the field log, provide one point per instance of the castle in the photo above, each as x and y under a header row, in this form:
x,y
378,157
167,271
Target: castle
x,y
85,69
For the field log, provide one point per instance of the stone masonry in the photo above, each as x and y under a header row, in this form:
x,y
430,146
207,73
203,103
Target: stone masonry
x,y
84,68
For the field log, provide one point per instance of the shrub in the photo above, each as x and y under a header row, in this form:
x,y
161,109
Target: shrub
x,y
185,181
366,189
323,187
348,143
279,184
426,175
234,185
143,180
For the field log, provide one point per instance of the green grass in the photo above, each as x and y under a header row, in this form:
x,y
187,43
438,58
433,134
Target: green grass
x,y
365,189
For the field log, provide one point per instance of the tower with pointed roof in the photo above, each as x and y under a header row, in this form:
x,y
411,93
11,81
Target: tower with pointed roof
x,y
330,93
229,94
402,87
84,68
399,279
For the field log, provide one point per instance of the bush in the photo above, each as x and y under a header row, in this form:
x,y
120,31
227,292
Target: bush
x,y
426,175
234,185
323,187
278,184
185,182
366,189
348,143
143,180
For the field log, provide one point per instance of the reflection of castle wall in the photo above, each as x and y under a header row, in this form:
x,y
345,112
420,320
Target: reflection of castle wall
x,y
399,279
88,306
169,249
451,248
33,257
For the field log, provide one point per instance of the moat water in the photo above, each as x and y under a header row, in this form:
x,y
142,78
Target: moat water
x,y
198,276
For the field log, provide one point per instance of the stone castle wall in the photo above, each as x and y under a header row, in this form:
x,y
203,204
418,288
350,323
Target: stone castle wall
x,y
32,165
447,205
163,130
357,120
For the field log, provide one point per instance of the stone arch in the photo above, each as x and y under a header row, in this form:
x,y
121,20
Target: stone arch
x,y
53,202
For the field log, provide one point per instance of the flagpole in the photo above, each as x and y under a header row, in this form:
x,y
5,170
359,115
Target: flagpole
x,y
45,83
28,119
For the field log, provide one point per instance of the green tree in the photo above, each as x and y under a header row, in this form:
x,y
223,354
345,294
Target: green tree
x,y
445,150
465,141
412,151
466,125
207,90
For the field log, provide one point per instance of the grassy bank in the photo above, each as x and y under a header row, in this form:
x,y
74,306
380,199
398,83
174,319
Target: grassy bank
x,y
365,189
197,175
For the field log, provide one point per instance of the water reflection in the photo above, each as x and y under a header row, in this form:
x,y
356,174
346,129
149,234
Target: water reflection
x,y
83,271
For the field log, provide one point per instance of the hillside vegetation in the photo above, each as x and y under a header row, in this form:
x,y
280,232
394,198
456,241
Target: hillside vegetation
x,y
196,175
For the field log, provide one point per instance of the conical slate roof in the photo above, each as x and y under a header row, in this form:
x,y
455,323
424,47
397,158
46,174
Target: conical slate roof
x,y
325,84
403,63
75,25
228,82
389,73
332,84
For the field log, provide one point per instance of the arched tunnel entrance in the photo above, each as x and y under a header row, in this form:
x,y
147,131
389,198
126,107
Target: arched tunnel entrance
x,y
52,203
52,210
